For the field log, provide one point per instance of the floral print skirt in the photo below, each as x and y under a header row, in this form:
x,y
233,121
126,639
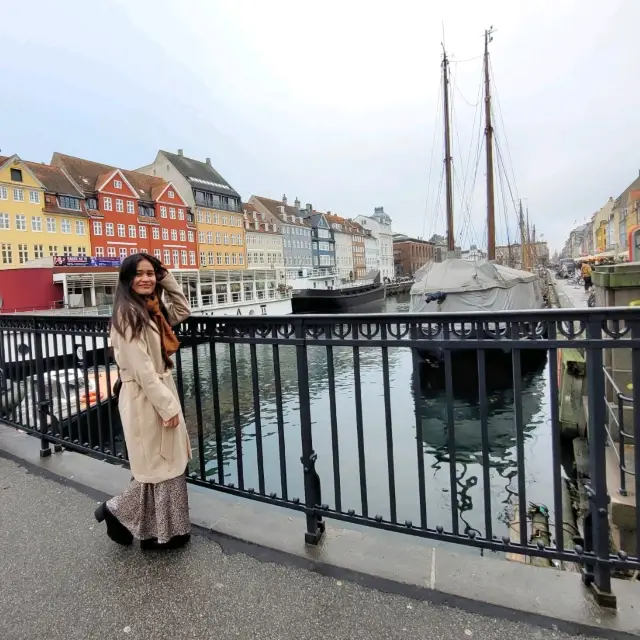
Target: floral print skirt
x,y
154,511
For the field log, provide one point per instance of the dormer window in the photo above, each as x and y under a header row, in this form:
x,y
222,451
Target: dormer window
x,y
117,184
16,175
171,194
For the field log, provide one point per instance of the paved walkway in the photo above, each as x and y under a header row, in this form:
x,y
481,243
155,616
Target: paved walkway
x,y
61,577
573,295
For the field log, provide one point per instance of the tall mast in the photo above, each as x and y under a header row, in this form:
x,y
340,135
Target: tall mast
x,y
488,132
523,242
447,152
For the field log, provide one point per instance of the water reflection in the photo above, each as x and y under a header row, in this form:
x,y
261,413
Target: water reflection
x,y
431,409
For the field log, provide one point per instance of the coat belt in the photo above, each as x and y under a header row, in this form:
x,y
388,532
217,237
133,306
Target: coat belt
x,y
127,377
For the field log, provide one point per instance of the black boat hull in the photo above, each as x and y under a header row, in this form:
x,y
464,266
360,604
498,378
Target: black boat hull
x,y
367,299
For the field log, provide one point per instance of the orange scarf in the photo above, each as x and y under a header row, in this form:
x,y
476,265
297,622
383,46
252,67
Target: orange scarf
x,y
169,343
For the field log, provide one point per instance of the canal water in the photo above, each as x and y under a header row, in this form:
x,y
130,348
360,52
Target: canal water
x,y
432,411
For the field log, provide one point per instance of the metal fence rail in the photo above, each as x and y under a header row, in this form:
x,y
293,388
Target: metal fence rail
x,y
49,364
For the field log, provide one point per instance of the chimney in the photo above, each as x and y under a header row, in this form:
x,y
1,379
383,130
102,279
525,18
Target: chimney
x,y
284,199
180,153
208,161
297,204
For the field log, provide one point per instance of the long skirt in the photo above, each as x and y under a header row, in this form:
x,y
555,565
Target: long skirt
x,y
154,511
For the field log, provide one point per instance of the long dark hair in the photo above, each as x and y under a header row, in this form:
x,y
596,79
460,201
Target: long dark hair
x,y
129,308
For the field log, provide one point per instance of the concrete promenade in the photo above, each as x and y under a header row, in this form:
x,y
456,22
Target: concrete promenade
x,y
63,578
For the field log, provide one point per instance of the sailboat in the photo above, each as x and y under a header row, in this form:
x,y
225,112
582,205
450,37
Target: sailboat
x,y
458,285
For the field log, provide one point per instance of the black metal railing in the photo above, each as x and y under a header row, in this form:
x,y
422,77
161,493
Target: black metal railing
x,y
259,391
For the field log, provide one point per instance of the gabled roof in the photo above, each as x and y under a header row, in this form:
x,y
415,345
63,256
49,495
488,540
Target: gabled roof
x,y
273,206
200,174
52,178
89,176
15,156
623,199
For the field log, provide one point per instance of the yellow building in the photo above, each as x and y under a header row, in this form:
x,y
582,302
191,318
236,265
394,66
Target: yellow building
x,y
216,204
41,214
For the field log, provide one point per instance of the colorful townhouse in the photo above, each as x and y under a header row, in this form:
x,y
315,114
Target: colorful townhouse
x,y
42,214
219,216
358,245
132,213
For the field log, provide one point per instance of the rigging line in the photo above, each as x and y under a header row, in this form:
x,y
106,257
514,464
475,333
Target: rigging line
x,y
468,59
504,206
462,96
467,226
433,147
502,122
500,160
436,217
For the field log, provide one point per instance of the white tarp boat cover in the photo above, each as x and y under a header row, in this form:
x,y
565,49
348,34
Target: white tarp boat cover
x,y
474,286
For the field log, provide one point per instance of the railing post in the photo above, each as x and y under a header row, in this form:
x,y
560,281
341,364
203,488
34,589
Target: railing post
x,y
312,492
41,404
621,443
598,574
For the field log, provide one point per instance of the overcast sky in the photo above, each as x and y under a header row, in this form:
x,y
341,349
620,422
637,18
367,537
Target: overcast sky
x,y
337,103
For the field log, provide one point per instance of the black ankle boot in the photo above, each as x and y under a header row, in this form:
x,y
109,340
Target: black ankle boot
x,y
115,529
176,542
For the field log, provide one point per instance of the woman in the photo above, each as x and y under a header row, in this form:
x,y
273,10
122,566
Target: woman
x,y
154,508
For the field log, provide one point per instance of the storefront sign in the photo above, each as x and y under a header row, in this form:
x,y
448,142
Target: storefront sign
x,y
85,261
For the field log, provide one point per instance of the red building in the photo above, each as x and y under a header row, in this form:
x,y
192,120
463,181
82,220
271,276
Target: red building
x,y
131,213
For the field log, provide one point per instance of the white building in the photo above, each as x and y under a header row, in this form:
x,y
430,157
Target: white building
x,y
344,247
380,226
371,253
265,244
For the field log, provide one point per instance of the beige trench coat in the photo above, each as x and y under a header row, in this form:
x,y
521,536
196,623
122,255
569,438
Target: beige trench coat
x,y
149,396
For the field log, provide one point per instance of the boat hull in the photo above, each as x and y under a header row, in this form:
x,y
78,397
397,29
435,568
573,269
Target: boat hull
x,y
367,299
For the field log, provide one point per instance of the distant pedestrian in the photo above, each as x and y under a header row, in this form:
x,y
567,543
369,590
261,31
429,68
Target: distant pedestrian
x,y
586,276
154,508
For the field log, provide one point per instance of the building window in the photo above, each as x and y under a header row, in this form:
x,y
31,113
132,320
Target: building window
x,y
122,231
157,254
16,175
199,215
97,228
5,251
133,250
211,258
207,217
21,222
201,237
99,252
109,228
226,238
92,203
123,253
65,226
216,218
234,258
163,212
192,258
132,231
172,213
67,250
241,259
191,236
119,205
4,221
156,233
4,193
111,252
82,251
34,197
53,250
171,195
165,234
224,221
209,237
183,236
167,256
80,230
51,225
18,195
117,184
143,232
176,258
180,214
184,258
174,235
131,206
107,204
38,251
203,259
66,202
